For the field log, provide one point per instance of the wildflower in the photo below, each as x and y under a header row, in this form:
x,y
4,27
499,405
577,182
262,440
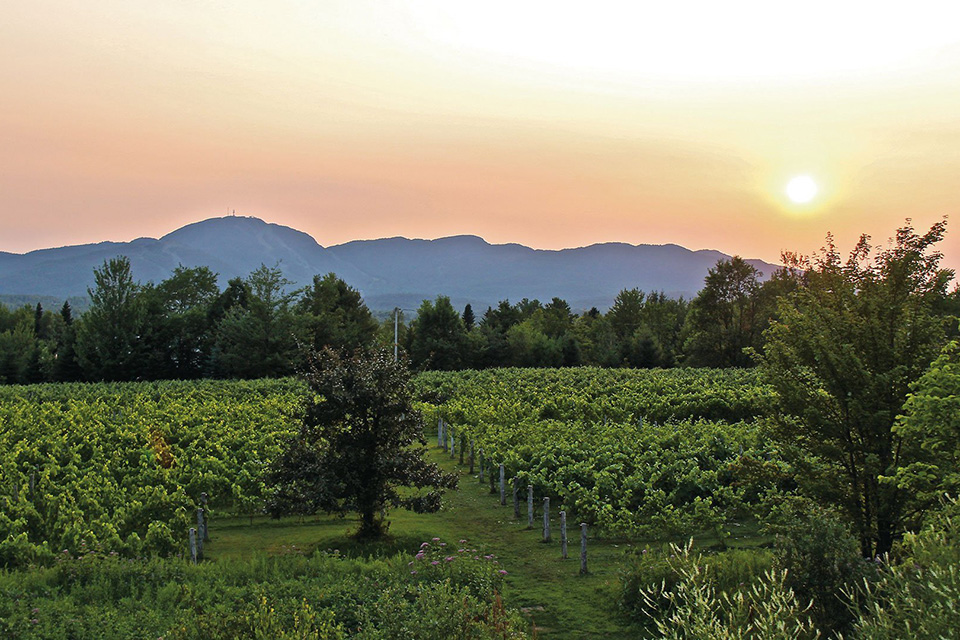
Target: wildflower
x,y
436,539
425,544
419,556
502,572
413,572
449,559
435,562
463,542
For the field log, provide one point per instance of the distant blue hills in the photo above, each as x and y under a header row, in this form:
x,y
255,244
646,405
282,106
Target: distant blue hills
x,y
389,272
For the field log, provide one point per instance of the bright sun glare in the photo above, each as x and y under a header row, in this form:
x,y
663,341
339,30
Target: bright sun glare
x,y
802,189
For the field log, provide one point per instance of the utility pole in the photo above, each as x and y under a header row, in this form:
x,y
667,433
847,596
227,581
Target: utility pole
x,y
396,327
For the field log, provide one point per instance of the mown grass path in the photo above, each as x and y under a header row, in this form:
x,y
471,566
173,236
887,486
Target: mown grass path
x,y
559,602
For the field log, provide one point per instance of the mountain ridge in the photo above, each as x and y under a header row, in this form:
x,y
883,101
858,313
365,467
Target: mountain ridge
x,y
388,272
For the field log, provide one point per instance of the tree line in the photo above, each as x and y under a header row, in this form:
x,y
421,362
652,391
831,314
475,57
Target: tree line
x,y
186,327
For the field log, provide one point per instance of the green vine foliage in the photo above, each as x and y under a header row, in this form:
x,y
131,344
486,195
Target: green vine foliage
x,y
121,466
636,453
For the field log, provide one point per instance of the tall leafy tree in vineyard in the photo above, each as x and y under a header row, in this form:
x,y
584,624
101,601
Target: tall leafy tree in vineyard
x,y
360,446
842,355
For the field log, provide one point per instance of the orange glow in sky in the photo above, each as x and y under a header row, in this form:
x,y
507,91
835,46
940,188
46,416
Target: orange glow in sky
x,y
553,124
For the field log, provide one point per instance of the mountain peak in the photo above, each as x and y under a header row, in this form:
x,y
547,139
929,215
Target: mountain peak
x,y
388,272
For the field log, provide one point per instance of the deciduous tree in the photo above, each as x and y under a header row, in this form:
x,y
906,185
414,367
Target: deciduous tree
x,y
842,355
108,340
360,447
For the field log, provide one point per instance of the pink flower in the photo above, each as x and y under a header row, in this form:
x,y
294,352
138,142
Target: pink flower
x,y
449,558
435,562
425,544
463,542
502,572
436,539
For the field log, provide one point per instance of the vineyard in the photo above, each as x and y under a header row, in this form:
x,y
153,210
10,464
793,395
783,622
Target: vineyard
x,y
100,483
652,454
121,467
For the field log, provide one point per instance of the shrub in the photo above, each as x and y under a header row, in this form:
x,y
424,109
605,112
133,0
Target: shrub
x,y
651,578
766,609
917,597
821,558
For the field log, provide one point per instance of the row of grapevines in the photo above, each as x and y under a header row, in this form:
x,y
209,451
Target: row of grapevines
x,y
638,453
122,466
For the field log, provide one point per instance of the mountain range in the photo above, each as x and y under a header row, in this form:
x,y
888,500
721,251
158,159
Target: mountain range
x,y
389,272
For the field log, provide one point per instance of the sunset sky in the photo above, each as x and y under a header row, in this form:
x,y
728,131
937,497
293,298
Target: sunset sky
x,y
552,124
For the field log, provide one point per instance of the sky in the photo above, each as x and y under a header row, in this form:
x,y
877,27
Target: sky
x,y
552,124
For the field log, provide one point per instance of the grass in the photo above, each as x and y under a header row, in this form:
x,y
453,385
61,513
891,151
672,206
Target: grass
x,y
558,601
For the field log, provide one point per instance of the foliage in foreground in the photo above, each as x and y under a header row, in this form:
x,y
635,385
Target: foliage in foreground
x,y
842,356
917,597
815,587
323,596
698,605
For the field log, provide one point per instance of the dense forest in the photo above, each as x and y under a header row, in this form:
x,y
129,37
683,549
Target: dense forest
x,y
186,327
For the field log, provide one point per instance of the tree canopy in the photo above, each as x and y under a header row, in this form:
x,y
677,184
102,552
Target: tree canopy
x,y
842,355
360,446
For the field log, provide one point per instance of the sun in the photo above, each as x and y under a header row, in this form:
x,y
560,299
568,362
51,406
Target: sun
x,y
802,189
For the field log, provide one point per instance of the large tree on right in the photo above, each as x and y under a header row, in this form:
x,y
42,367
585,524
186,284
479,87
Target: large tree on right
x,y
842,354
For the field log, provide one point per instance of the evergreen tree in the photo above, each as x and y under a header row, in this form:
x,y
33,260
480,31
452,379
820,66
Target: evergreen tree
x,y
626,314
334,315
438,339
468,318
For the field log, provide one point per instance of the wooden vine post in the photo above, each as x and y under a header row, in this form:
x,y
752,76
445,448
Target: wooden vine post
x,y
583,548
503,487
563,535
529,505
546,519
